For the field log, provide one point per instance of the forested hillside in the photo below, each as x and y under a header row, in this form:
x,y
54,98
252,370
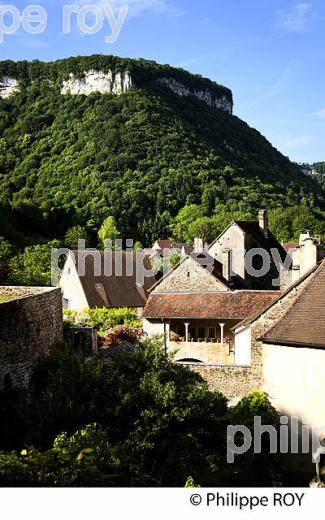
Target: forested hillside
x,y
140,157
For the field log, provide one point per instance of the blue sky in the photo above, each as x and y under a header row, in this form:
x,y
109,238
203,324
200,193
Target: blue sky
x,y
271,53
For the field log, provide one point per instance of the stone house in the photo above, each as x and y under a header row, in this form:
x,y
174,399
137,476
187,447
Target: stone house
x,y
245,244
194,308
111,279
30,324
287,343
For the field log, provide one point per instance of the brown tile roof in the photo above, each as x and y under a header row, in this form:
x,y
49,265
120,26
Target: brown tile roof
x,y
304,322
118,289
235,305
290,245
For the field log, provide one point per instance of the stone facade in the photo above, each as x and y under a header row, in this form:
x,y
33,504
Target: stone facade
x,y
30,324
190,276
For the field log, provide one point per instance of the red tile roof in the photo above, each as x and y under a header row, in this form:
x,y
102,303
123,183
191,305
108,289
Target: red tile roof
x,y
235,305
304,322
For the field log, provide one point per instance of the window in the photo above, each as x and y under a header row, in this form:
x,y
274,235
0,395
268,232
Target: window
x,y
211,332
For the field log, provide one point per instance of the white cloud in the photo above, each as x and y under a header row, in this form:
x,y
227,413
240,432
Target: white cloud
x,y
294,19
320,113
292,143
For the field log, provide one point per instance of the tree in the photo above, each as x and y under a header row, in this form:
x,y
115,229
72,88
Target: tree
x,y
33,266
108,231
73,235
6,251
159,425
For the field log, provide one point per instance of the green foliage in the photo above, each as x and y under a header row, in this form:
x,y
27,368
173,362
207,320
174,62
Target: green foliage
x,y
139,157
108,231
73,235
287,223
143,421
256,405
33,266
6,251
103,319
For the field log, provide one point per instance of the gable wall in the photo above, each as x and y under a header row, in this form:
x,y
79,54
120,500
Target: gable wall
x,y
71,287
233,238
190,276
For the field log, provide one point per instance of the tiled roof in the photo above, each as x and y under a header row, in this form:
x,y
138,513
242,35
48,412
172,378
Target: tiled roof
x,y
235,305
289,246
119,289
304,322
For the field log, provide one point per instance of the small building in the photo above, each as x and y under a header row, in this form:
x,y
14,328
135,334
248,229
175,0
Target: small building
x,y
30,324
111,279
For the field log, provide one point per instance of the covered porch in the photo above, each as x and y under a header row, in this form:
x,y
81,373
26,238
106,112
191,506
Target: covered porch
x,y
206,341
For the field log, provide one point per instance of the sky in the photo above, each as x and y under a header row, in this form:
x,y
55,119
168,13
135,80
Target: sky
x,y
271,53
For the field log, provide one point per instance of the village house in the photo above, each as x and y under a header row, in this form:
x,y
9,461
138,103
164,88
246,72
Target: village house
x,y
194,308
111,279
30,324
196,305
287,344
249,243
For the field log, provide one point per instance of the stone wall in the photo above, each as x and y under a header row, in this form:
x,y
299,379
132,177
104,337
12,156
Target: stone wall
x,y
30,324
190,276
235,382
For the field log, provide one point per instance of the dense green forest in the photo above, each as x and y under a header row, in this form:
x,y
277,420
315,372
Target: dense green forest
x,y
141,420
67,163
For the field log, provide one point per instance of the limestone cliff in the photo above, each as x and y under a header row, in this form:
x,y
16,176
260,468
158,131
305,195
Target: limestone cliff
x,y
206,95
120,82
93,81
8,86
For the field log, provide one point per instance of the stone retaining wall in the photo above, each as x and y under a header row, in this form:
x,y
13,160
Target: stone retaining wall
x,y
30,324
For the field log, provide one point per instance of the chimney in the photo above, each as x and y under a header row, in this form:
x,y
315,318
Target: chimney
x,y
263,221
226,264
198,245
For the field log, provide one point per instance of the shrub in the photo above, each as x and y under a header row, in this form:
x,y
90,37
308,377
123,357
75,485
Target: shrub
x,y
118,335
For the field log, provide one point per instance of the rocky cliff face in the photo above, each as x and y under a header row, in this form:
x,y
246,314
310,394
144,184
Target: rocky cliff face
x,y
8,86
117,83
204,95
93,81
